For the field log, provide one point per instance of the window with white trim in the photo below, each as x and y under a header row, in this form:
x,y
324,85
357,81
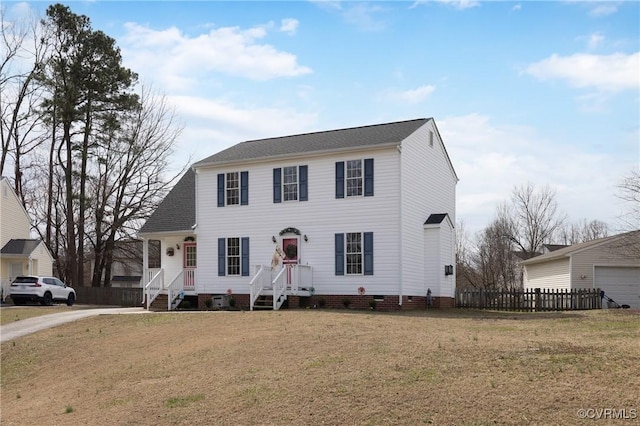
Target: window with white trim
x,y
233,256
354,178
232,189
290,183
354,253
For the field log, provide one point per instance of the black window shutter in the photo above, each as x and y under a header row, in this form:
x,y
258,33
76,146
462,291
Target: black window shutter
x,y
368,253
244,252
222,264
340,179
368,177
244,188
304,189
277,185
220,189
339,254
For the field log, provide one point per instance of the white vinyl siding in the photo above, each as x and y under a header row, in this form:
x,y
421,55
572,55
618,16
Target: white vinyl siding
x,y
320,218
427,184
14,218
550,275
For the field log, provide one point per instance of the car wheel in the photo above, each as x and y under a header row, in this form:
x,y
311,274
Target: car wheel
x,y
71,299
47,300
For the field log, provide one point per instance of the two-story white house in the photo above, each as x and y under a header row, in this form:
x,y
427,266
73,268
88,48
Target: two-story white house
x,y
19,254
356,216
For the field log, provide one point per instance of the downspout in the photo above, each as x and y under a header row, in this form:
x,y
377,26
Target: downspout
x,y
400,290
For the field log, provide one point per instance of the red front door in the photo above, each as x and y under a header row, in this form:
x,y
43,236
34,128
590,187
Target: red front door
x,y
290,249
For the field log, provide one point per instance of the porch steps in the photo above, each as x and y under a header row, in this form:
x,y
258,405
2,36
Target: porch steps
x,y
159,304
264,302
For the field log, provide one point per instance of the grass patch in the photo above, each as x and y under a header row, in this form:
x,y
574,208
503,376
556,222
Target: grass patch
x,y
300,367
183,401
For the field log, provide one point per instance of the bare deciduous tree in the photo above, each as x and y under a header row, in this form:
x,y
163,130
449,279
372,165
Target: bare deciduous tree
x,y
129,183
531,219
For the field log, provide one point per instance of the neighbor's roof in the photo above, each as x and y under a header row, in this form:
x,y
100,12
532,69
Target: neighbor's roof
x,y
177,212
20,247
331,140
569,250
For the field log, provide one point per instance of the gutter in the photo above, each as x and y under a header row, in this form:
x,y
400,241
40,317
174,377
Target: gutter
x,y
401,289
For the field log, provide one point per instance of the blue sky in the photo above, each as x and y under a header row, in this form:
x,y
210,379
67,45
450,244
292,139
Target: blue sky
x,y
539,92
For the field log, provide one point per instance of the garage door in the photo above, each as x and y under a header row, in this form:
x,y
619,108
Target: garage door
x,y
620,284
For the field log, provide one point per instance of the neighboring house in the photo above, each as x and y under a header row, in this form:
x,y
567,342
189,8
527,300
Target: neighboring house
x,y
611,264
19,254
363,214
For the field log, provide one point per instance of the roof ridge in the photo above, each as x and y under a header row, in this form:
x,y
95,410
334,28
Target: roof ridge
x,y
333,130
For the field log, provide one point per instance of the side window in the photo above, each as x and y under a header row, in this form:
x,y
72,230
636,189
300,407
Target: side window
x,y
233,188
354,178
290,184
48,281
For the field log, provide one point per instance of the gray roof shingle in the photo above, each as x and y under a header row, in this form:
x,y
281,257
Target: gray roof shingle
x,y
23,247
332,140
177,212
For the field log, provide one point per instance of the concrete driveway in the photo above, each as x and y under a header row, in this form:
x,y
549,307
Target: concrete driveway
x,y
31,325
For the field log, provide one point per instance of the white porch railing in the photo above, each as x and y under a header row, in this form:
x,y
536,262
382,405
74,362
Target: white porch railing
x,y
289,279
154,287
279,285
301,278
260,281
183,281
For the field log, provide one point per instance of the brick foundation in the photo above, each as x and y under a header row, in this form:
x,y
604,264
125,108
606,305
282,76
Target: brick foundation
x,y
358,302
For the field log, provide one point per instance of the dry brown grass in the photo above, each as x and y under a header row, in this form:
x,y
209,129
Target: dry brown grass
x,y
323,367
12,313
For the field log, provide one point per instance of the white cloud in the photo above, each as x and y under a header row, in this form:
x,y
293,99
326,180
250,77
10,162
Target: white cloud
x,y
413,96
595,40
603,10
215,124
491,159
609,73
364,16
516,7
461,4
182,61
289,25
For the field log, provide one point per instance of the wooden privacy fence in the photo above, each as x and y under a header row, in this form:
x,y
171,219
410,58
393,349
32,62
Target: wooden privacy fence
x,y
113,296
529,300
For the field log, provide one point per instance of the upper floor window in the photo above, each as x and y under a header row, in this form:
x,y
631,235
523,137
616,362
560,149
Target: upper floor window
x,y
233,189
356,180
290,184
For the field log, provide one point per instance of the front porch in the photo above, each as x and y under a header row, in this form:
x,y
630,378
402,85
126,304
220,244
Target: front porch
x,y
275,286
268,288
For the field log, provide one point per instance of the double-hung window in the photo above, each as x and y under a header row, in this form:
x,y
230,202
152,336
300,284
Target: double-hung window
x,y
354,253
233,189
290,184
354,178
233,256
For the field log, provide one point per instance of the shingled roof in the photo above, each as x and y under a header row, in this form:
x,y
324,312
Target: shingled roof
x,y
332,140
177,212
20,247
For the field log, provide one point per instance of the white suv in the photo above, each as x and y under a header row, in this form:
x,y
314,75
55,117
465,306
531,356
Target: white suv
x,y
42,289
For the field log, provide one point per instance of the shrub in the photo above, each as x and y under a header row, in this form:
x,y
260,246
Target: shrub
x,y
346,302
208,303
232,302
372,304
322,302
185,304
